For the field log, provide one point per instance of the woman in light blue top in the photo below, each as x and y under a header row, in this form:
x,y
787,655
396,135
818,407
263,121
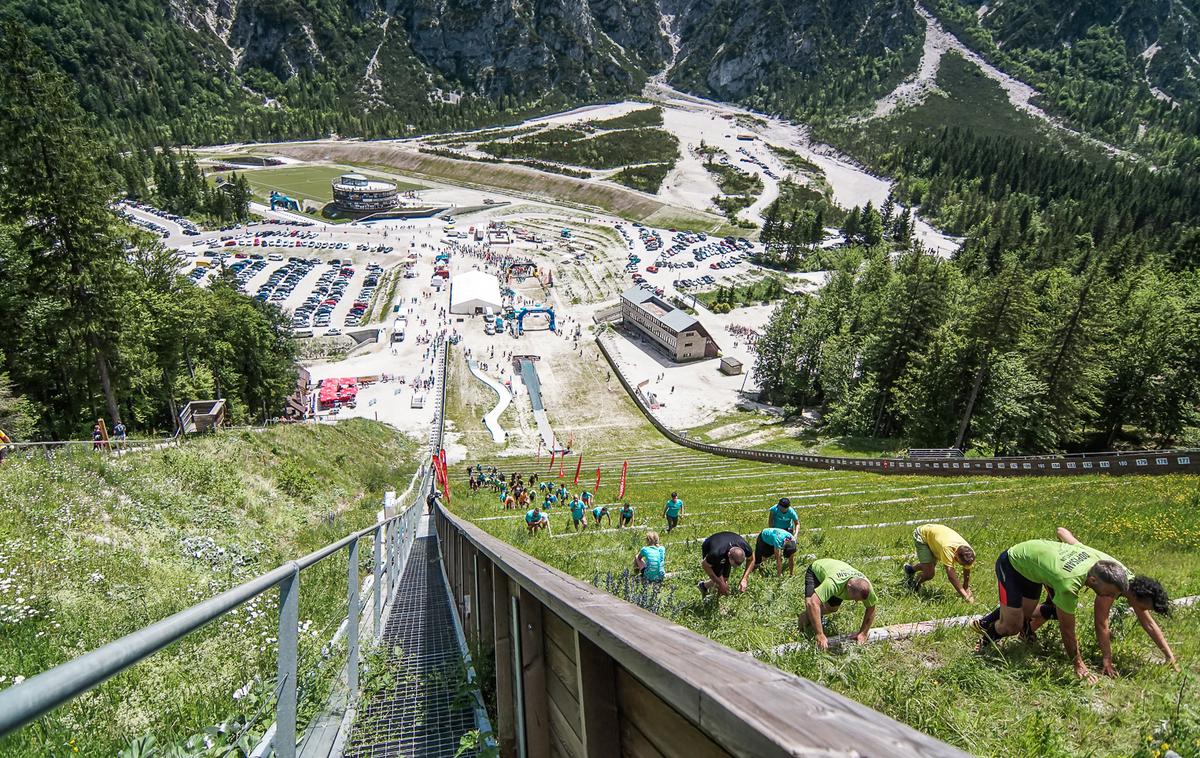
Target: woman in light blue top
x,y
651,560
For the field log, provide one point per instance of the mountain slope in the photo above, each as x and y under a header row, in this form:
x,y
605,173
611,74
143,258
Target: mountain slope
x,y
795,57
215,70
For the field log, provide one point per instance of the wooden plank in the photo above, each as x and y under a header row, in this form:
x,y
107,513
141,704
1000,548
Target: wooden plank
x,y
597,699
568,704
533,675
563,672
485,619
634,744
560,633
506,695
563,732
670,733
736,718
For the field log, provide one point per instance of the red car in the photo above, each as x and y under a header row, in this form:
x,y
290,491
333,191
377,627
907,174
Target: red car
x,y
652,269
240,255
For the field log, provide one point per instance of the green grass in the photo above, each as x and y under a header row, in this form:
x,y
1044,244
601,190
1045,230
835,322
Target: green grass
x,y
93,548
311,183
1020,702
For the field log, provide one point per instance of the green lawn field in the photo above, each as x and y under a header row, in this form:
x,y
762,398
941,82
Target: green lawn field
x,y
94,547
310,183
1020,700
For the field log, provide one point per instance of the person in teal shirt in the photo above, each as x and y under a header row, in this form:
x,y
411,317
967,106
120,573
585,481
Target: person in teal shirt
x,y
563,493
783,516
673,511
772,542
551,500
626,516
535,520
601,512
577,514
586,497
651,560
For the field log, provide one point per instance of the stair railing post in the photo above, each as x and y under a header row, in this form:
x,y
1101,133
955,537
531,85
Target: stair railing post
x,y
285,706
352,620
376,587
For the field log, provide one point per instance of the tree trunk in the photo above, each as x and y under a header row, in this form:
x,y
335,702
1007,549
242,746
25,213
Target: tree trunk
x,y
110,397
966,419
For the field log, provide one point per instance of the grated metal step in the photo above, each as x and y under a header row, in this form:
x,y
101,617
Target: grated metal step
x,y
427,708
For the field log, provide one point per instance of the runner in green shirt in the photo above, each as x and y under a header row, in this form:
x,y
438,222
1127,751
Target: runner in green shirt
x,y
1144,595
1064,569
827,584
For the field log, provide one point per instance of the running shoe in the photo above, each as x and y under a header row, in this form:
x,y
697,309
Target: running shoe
x,y
703,588
910,576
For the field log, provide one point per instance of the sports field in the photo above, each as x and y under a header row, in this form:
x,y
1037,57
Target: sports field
x,y
1020,700
310,183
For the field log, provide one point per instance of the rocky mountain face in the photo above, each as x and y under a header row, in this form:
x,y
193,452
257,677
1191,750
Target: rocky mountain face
x,y
197,71
730,48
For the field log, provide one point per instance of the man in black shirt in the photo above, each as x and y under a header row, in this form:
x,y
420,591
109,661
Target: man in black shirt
x,y
722,551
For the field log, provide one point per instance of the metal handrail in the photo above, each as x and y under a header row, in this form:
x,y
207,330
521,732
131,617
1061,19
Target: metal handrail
x,y
40,694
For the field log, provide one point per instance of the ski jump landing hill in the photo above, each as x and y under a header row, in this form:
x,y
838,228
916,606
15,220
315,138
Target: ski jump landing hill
x,y
533,385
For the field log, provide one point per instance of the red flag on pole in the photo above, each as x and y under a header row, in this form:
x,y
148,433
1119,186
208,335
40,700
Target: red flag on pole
x,y
445,476
621,491
578,468
596,491
551,461
562,459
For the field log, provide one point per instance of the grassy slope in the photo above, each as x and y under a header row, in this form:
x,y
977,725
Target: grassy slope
x,y
95,548
1020,703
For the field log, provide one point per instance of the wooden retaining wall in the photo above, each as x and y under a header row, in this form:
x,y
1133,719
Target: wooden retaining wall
x,y
580,673
1137,462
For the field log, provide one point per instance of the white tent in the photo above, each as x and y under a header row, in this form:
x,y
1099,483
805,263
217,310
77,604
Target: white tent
x,y
474,291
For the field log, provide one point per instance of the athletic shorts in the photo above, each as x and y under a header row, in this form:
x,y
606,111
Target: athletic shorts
x,y
578,521
1013,586
672,521
762,550
924,554
627,519
810,586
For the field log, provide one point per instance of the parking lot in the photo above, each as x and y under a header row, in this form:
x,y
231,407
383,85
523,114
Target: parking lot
x,y
684,261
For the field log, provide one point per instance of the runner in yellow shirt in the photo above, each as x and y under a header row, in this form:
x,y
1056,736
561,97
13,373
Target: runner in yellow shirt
x,y
1144,595
941,544
1022,571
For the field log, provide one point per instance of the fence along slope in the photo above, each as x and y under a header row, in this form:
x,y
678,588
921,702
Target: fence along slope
x,y
580,672
1134,462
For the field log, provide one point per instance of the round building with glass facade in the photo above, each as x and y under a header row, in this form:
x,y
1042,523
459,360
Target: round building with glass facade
x,y
358,194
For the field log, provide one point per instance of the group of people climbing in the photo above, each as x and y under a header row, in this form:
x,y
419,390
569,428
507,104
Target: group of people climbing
x,y
1060,568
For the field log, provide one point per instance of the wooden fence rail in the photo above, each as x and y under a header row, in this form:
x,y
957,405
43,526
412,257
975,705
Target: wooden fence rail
x,y
580,673
1134,462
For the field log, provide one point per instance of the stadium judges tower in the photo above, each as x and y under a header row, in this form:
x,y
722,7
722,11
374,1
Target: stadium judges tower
x,y
358,194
